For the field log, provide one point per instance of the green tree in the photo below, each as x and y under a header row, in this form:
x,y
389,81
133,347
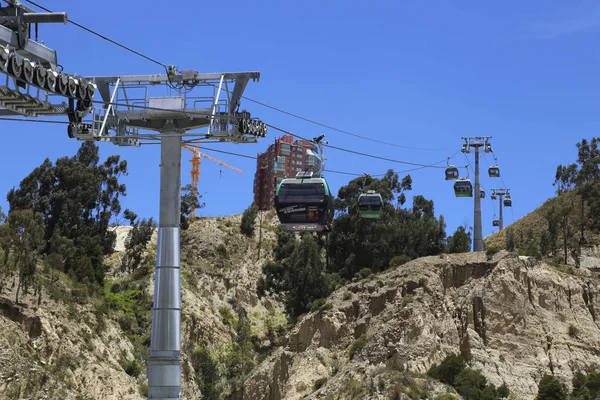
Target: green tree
x,y
551,388
305,277
249,220
137,239
207,373
553,231
274,276
565,179
77,198
588,175
592,383
503,391
471,384
355,244
448,369
190,200
545,244
460,242
241,357
510,239
26,230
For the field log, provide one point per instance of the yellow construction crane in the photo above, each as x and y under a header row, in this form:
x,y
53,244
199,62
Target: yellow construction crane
x,y
195,160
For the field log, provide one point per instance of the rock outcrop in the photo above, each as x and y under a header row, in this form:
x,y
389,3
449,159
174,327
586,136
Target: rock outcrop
x,y
513,318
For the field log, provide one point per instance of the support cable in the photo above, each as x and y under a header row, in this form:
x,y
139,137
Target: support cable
x,y
180,86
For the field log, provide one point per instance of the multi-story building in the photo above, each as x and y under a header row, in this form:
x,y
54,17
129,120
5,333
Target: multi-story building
x,y
283,159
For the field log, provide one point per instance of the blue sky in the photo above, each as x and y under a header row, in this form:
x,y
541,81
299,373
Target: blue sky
x,y
418,74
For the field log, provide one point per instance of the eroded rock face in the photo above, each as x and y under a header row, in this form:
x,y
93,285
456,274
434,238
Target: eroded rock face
x,y
510,317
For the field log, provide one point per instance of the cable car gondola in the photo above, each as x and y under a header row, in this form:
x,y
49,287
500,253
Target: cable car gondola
x,y
495,222
463,188
481,194
304,203
451,173
494,171
370,204
507,202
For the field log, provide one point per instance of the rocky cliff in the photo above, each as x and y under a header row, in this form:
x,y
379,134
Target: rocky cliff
x,y
60,345
513,318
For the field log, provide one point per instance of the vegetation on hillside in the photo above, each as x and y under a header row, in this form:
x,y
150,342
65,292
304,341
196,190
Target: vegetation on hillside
x,y
470,384
308,268
562,225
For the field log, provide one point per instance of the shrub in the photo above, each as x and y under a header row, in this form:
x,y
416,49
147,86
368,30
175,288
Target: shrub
x,y
131,367
227,315
551,388
356,346
573,331
399,260
222,250
363,273
491,252
448,369
320,305
249,220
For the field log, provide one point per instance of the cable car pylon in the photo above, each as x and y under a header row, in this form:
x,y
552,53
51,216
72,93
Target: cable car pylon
x,y
507,202
476,142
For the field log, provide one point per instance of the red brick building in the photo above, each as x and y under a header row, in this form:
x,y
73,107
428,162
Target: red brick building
x,y
284,158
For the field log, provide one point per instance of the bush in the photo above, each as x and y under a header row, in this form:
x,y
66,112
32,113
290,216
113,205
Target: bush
x,y
131,367
448,369
551,388
222,250
356,346
399,260
227,315
503,391
573,331
320,305
249,220
491,252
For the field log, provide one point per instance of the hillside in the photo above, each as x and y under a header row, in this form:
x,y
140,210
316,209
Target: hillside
x,y
535,224
513,317
74,346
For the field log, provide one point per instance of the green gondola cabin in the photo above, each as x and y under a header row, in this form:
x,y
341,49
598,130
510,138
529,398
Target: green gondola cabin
x,y
463,188
370,204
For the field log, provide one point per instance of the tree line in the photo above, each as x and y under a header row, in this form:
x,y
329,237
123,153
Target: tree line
x,y
60,215
568,217
310,267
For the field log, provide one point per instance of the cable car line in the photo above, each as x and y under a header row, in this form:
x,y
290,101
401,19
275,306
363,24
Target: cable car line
x,y
101,36
46,121
433,165
244,97
333,128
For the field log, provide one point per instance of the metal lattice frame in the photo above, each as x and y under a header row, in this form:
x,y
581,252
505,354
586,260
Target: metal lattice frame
x,y
129,108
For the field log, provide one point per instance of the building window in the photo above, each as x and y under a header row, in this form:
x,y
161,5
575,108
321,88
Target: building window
x,y
284,148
